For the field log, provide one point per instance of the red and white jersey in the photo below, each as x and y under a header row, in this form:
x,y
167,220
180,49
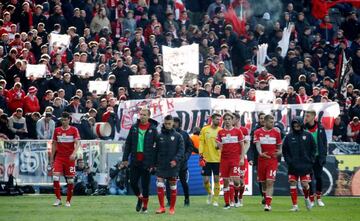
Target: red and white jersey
x,y
268,139
65,140
245,132
230,140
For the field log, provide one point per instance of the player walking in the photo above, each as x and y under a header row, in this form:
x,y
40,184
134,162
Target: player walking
x,y
268,144
299,152
210,158
63,154
230,141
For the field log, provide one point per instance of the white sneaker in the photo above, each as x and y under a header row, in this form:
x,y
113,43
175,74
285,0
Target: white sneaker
x,y
67,204
232,204
295,208
57,202
320,203
312,203
237,205
209,199
215,203
308,204
267,208
226,207
241,201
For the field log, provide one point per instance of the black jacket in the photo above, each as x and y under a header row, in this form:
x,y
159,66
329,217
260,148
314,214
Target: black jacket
x,y
188,148
169,146
149,143
321,143
299,149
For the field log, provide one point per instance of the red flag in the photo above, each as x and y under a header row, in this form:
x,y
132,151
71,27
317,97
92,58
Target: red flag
x,y
238,25
320,7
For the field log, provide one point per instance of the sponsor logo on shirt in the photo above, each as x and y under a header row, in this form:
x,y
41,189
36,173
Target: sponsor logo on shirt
x,y
267,140
65,138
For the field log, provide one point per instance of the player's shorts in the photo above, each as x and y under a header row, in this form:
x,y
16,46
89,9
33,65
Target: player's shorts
x,y
64,166
266,170
306,177
210,168
229,168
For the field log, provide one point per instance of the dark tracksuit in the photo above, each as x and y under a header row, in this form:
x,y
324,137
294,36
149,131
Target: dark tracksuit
x,y
189,148
141,169
320,158
299,149
169,146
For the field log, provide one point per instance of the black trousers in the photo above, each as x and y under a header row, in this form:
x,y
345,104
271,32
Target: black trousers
x,y
137,173
183,176
316,177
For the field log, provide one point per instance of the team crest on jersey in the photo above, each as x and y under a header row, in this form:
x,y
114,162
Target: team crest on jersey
x,y
304,137
172,138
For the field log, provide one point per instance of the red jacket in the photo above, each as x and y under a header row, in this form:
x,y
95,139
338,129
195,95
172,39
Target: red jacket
x,y
15,99
31,104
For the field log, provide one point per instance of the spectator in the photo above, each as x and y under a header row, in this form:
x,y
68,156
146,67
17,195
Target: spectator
x,y
31,120
339,131
118,180
31,102
17,124
4,126
85,183
75,106
353,129
100,21
16,97
45,127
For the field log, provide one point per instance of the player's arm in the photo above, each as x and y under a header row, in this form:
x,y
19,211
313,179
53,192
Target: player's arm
x,y
242,156
278,145
76,145
53,151
258,148
218,141
201,142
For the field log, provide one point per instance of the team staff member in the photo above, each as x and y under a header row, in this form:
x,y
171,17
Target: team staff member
x,y
139,146
299,149
210,157
318,132
169,151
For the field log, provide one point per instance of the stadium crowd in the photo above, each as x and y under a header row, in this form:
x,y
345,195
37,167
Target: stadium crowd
x,y
124,37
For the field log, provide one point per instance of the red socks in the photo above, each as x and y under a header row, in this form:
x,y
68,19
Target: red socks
x,y
161,195
312,198
232,193
268,200
145,202
236,192
293,193
57,189
318,195
306,192
70,188
173,198
227,195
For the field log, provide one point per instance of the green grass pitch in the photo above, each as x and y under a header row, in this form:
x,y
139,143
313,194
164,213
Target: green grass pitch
x,y
109,208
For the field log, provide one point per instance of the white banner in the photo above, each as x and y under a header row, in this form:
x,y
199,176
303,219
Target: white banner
x,y
261,57
278,85
284,42
99,86
35,70
235,82
59,40
196,111
265,97
140,81
82,69
181,65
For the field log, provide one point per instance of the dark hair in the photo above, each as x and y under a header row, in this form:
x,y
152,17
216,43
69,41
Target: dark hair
x,y
268,117
65,115
236,115
214,115
168,117
177,120
260,114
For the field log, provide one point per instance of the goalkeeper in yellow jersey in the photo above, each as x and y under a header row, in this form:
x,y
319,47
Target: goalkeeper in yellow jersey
x,y
210,157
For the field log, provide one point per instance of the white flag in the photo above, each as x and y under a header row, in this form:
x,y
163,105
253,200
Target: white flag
x,y
59,40
265,97
261,57
35,70
284,42
82,68
278,85
181,65
139,81
235,82
99,86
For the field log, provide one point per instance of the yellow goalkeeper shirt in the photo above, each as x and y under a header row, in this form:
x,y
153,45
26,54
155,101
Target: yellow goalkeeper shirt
x,y
208,145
